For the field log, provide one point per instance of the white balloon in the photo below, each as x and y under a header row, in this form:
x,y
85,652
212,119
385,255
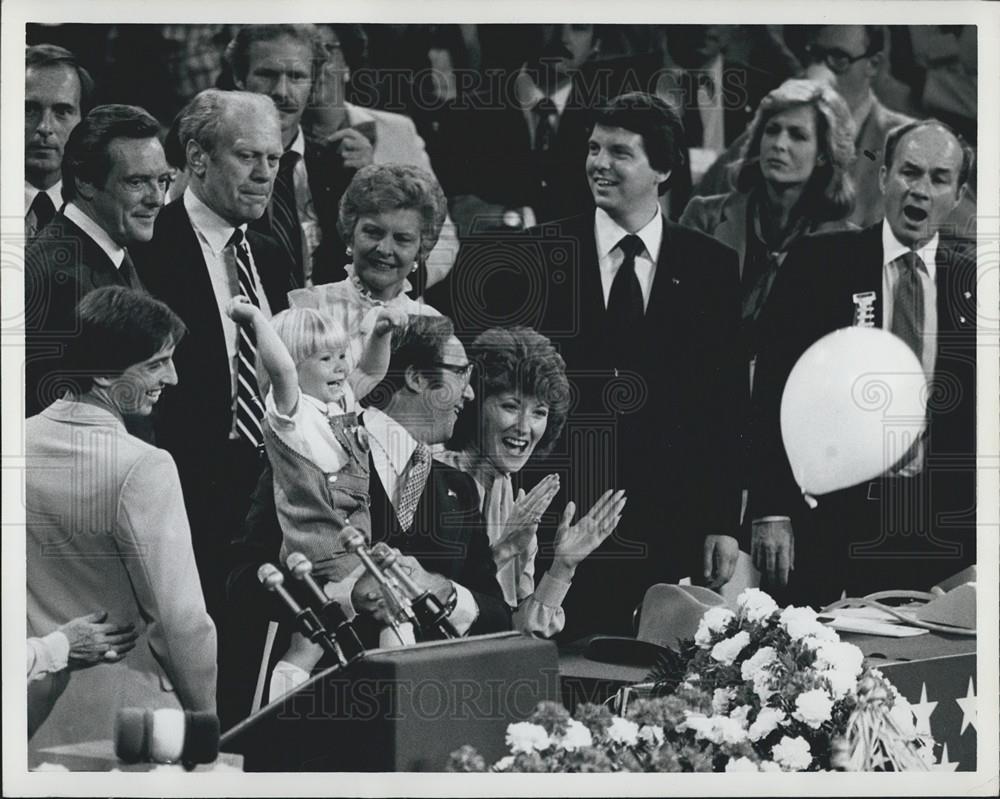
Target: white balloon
x,y
853,406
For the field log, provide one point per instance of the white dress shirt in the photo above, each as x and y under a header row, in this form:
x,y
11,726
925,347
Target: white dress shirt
x,y
607,234
392,447
30,192
213,234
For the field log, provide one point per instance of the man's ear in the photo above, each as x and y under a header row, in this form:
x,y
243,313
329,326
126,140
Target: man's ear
x,y
85,188
414,379
882,175
195,157
875,64
103,381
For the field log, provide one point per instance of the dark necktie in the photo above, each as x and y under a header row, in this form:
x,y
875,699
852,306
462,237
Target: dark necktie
x,y
908,303
416,477
249,409
545,132
42,209
625,308
284,213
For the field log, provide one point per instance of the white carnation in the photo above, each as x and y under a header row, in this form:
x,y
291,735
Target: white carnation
x,y
769,765
841,682
792,754
577,736
623,731
755,605
757,662
714,621
741,764
813,707
523,736
767,721
728,649
717,729
504,763
841,656
801,623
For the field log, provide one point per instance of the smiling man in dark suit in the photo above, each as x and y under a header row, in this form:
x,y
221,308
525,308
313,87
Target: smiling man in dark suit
x,y
915,524
646,314
115,178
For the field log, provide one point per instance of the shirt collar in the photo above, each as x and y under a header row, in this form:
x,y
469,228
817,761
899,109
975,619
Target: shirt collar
x,y
609,233
893,248
54,192
213,228
298,144
391,437
529,94
100,236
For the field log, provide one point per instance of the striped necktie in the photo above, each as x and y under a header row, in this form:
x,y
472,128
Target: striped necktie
x,y
285,225
249,409
416,477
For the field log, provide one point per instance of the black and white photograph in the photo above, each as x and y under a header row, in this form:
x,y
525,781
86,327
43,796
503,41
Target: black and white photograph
x,y
403,399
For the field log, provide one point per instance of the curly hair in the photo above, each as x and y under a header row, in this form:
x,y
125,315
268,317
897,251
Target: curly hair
x,y
829,193
377,188
515,359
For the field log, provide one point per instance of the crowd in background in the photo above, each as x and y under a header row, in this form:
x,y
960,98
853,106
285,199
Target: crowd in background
x,y
423,186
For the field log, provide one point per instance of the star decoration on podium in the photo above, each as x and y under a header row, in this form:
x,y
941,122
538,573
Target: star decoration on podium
x,y
944,764
922,710
968,705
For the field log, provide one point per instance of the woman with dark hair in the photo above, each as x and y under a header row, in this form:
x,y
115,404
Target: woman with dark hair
x,y
792,179
522,396
391,216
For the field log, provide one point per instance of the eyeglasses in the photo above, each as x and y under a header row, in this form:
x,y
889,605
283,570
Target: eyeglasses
x,y
462,370
835,58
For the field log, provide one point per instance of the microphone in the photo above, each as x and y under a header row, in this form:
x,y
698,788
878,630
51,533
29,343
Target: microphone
x,y
305,618
166,735
431,614
329,611
354,541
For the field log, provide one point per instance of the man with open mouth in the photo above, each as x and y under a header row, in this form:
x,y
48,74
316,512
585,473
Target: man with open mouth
x,y
890,532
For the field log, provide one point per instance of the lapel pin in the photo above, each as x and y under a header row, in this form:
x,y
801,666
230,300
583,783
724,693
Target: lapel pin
x,y
967,295
676,281
452,494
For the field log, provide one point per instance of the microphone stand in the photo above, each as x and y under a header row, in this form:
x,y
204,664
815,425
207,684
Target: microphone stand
x,y
329,612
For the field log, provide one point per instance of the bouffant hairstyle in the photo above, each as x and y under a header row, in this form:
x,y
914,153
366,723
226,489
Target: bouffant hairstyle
x,y
514,359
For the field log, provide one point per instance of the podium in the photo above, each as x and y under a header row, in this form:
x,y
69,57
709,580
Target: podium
x,y
402,709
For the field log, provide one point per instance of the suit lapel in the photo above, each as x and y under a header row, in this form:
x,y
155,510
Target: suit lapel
x,y
732,227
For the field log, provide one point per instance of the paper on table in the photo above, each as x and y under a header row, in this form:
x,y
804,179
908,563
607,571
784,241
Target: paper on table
x,y
872,627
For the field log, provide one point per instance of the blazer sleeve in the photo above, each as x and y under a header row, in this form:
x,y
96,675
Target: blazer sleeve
x,y
785,333
479,571
157,553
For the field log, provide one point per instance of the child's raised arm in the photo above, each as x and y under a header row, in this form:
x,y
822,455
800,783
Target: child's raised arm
x,y
273,354
374,361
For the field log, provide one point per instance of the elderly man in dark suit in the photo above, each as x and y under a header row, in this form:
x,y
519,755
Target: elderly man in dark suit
x,y
915,524
115,178
201,256
646,314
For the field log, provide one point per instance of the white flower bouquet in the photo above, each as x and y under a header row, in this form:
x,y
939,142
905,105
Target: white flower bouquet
x,y
758,689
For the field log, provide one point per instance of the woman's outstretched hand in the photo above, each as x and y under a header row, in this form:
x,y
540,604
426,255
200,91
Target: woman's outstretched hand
x,y
522,524
575,541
